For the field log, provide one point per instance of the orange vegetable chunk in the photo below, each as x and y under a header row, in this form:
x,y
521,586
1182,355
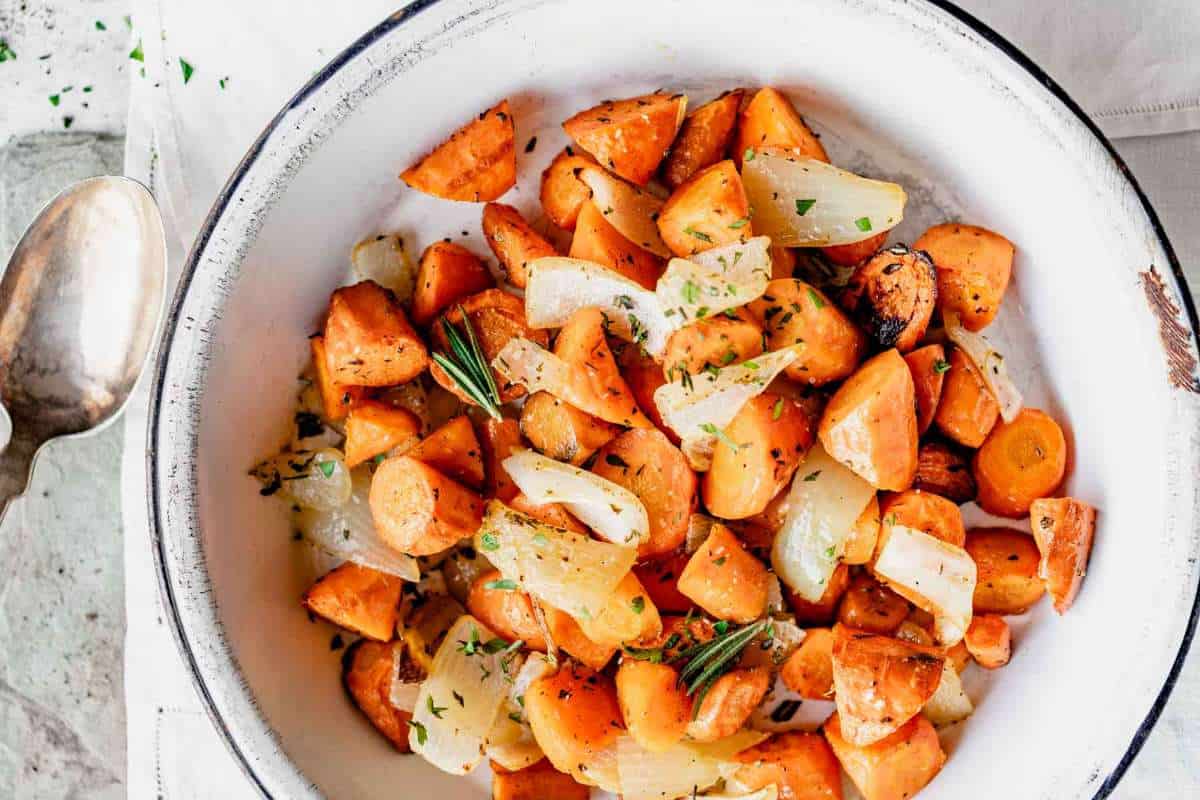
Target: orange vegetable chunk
x,y
800,765
822,612
709,210
973,265
809,669
1020,462
540,781
656,709
967,410
446,274
514,241
724,579
989,641
367,669
1063,528
870,606
928,366
562,193
581,344
454,451
729,702
853,254
596,240
336,398
357,598
499,440
420,511
795,314
575,716
1006,563
703,139
506,611
368,340
561,431
476,164
770,120
894,768
629,137
374,428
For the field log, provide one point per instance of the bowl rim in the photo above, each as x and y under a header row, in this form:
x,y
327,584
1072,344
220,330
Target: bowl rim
x,y
397,20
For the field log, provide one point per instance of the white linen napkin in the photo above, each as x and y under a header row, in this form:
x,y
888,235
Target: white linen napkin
x,y
1127,62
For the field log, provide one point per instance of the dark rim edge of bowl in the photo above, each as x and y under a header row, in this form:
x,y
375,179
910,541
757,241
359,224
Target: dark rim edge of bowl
x,y
170,325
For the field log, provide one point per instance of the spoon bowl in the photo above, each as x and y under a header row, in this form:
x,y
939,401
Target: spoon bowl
x,y
80,303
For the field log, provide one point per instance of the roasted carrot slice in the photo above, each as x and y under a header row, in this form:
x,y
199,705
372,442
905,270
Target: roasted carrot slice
x,y
989,641
357,598
336,398
973,268
1063,528
562,193
368,341
656,709
499,440
643,375
892,296
367,671
870,424
514,241
724,579
794,314
770,120
660,576
504,609
809,669
851,255
943,469
597,241
800,765
420,511
711,344
928,366
728,703
1021,461
925,512
561,431
629,137
772,434
967,410
454,451
536,782
476,164
575,716
1006,563
374,428
870,606
703,139
581,344
644,461
709,210
446,274
823,611
894,768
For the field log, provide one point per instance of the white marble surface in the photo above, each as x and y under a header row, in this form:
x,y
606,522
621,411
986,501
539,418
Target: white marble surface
x,y
61,710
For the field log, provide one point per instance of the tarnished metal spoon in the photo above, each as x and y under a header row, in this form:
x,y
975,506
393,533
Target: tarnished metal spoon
x,y
80,303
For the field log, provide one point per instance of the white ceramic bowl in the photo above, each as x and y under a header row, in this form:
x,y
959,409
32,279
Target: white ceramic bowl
x,y
913,91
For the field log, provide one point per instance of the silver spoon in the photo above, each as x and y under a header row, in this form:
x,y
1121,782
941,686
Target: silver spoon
x,y
79,309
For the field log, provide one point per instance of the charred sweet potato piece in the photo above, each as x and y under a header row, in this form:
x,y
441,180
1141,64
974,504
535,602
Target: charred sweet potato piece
x,y
629,137
712,343
709,210
581,344
514,241
368,340
943,469
505,610
420,511
562,193
973,268
598,241
703,139
989,641
870,423
773,434
367,669
1021,461
644,461
536,782
476,164
724,579
770,120
1063,528
656,709
561,431
574,714
495,317
800,765
809,669
967,410
851,255
454,451
823,611
794,314
499,440
893,296
928,366
728,704
374,428
660,576
446,274
894,768
357,598
870,606
925,512
1006,563
880,683
336,398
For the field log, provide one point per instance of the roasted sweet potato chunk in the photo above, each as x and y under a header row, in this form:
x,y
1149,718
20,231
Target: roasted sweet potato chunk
x,y
447,273
367,669
581,343
1063,528
499,440
368,341
1007,570
870,606
644,461
336,398
989,641
770,120
860,544
660,576
880,683
943,469
514,241
973,266
505,609
575,716
709,210
598,241
851,255
1020,462
420,511
554,514
561,431
643,375
928,366
794,314
728,704
870,423
628,615
703,139
967,411
773,433
922,511
454,451
656,709
477,163
539,781
357,598
800,765
567,634
893,296
629,137
712,343
724,579
562,193
823,611
894,768
809,669
374,428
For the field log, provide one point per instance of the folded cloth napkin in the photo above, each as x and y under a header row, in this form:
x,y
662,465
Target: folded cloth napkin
x,y
216,72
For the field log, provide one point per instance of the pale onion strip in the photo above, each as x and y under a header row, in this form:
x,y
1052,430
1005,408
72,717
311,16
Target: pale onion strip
x,y
384,260
557,287
614,513
990,363
632,211
934,575
348,532
741,262
707,284
511,743
406,681
455,735
838,207
949,703
680,770
824,502
568,570
709,402
310,478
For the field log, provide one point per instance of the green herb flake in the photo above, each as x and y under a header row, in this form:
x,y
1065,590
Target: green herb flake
x,y
777,410
223,82
940,366
863,224
720,562
713,430
488,541
540,539
691,292
54,99
728,358
817,302
748,155
87,90
829,551
741,223
327,468
812,476
721,627
435,710
100,26
461,702
503,585
6,52
802,206
422,734
638,604
701,235
137,54
68,121
187,69
750,364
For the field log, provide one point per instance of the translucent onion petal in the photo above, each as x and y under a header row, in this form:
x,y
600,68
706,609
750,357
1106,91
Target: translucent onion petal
x,y
990,363
511,743
384,260
800,202
632,211
680,770
715,280
933,575
612,512
825,501
949,703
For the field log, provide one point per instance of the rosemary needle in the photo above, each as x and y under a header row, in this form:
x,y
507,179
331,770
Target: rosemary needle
x,y
467,366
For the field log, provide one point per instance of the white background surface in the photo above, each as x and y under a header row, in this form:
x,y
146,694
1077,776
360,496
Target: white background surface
x,y
1128,64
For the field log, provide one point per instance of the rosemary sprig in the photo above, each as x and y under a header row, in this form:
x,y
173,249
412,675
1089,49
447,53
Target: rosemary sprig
x,y
708,661
467,366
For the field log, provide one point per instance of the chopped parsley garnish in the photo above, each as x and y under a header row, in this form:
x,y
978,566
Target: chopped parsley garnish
x,y
100,26
503,585
488,541
540,539
187,69
137,54
721,627
750,364
941,366
713,430
54,99
777,410
748,155
623,301
728,358
829,551
691,292
6,52
863,224
812,476
701,235
223,82
327,468
435,710
638,604
802,206
422,734
740,223
817,302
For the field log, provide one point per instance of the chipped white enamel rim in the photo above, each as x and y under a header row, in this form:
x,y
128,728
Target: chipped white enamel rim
x,y
910,91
